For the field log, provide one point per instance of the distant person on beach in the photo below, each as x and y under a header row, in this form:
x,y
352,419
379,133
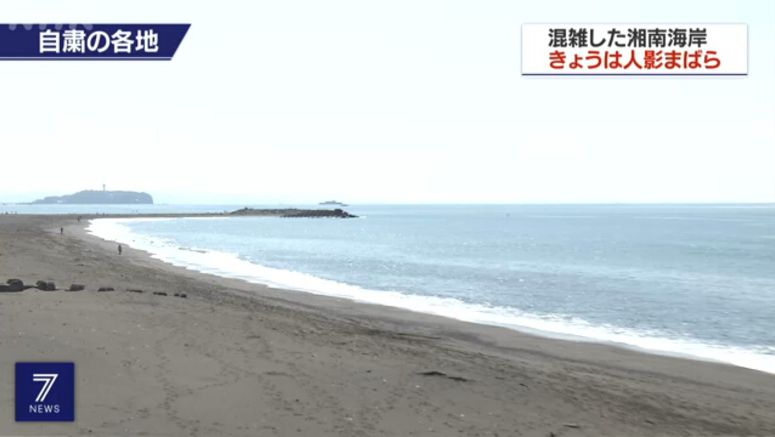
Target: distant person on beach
x,y
61,231
120,249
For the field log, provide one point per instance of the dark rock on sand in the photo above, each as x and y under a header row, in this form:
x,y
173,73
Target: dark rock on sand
x,y
15,285
444,375
106,289
6,289
46,286
159,293
76,287
134,290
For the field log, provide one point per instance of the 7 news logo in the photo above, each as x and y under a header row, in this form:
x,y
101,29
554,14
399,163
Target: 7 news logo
x,y
45,392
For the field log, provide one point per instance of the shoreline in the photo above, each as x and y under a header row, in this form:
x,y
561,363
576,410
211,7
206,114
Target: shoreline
x,y
490,379
427,305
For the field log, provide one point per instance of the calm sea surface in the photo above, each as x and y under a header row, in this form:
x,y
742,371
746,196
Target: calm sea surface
x,y
687,280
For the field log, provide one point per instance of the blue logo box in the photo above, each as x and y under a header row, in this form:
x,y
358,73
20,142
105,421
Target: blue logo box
x,y
45,392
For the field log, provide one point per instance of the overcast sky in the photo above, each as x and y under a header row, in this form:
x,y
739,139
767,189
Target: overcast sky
x,y
383,101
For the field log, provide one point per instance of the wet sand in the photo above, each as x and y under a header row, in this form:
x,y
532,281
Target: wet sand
x,y
238,359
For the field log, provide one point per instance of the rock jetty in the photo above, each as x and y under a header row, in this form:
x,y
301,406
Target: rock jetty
x,y
294,213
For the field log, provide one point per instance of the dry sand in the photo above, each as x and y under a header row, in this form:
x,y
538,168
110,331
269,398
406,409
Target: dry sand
x,y
236,359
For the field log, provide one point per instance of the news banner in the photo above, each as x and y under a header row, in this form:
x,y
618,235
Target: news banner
x,y
101,42
634,49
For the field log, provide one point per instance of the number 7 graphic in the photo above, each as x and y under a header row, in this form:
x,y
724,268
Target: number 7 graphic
x,y
48,380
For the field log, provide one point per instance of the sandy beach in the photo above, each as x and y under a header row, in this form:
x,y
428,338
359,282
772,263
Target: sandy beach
x,y
238,359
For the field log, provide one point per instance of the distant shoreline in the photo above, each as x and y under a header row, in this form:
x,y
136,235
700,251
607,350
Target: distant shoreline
x,y
244,212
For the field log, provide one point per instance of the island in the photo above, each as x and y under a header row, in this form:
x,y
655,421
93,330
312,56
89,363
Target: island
x,y
333,203
95,197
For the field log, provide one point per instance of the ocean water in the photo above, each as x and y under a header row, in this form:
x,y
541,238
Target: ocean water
x,y
694,281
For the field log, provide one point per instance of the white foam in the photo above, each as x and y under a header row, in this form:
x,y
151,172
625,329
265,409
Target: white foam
x,y
232,266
